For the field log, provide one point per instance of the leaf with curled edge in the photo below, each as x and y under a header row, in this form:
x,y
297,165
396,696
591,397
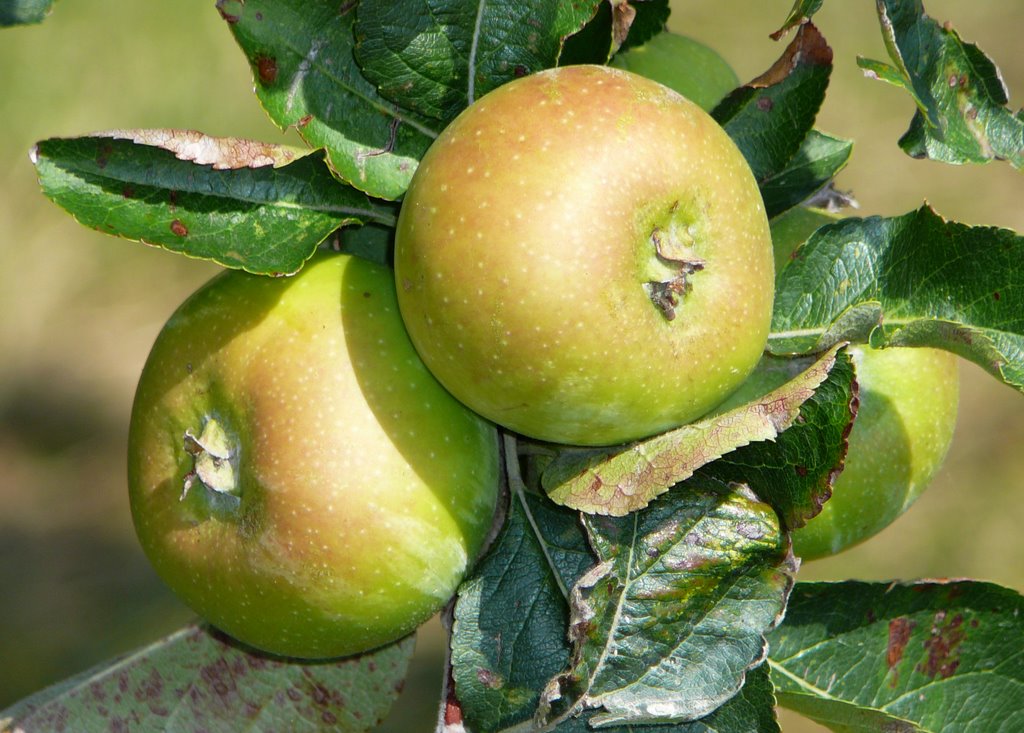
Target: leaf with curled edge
x,y
795,473
257,212
668,623
769,117
599,482
962,115
800,13
910,280
220,153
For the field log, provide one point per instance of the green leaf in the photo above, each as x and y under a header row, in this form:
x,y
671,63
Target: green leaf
x,y
509,634
20,12
818,160
769,117
306,76
197,680
700,574
911,280
752,710
616,483
800,13
941,657
649,18
617,25
795,472
962,115
435,57
255,206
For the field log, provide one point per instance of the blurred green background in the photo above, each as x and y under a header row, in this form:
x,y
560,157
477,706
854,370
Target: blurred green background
x,y
80,310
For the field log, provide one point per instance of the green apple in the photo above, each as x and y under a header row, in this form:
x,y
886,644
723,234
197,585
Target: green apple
x,y
693,69
908,407
904,426
296,474
583,257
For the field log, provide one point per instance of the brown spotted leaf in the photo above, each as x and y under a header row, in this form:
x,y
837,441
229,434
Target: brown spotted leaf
x,y
195,680
221,153
962,114
939,657
699,575
769,117
243,204
599,482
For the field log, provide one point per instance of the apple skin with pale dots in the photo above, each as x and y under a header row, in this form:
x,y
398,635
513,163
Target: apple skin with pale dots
x,y
583,257
297,476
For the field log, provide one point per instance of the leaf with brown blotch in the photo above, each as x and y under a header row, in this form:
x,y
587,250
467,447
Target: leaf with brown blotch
x,y
600,482
223,153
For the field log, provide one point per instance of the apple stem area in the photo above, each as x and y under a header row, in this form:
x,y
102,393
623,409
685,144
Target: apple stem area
x,y
214,457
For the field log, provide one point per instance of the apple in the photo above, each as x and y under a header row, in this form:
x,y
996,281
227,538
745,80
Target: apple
x,y
693,69
583,257
903,429
296,474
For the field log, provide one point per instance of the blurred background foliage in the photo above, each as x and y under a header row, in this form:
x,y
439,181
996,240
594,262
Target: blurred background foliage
x,y
80,310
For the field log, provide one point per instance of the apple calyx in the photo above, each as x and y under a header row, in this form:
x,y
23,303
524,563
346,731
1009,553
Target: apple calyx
x,y
213,460
673,247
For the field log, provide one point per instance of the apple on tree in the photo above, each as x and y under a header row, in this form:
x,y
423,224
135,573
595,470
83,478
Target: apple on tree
x,y
297,476
583,257
904,426
692,68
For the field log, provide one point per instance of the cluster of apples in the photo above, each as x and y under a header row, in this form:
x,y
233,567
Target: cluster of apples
x,y
582,258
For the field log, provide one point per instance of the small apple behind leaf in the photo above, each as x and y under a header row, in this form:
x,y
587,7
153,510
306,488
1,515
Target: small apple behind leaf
x,y
296,474
904,426
693,69
583,257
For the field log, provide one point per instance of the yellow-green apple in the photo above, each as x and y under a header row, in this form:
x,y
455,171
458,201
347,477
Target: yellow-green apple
x,y
297,476
583,257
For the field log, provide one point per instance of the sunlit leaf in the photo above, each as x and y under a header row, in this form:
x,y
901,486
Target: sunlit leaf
x,y
962,115
618,481
248,205
911,280
940,657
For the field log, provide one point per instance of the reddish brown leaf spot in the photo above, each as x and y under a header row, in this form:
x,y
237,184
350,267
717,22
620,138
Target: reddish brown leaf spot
x,y
765,104
304,120
129,193
103,155
229,17
266,69
996,295
179,229
899,635
942,646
